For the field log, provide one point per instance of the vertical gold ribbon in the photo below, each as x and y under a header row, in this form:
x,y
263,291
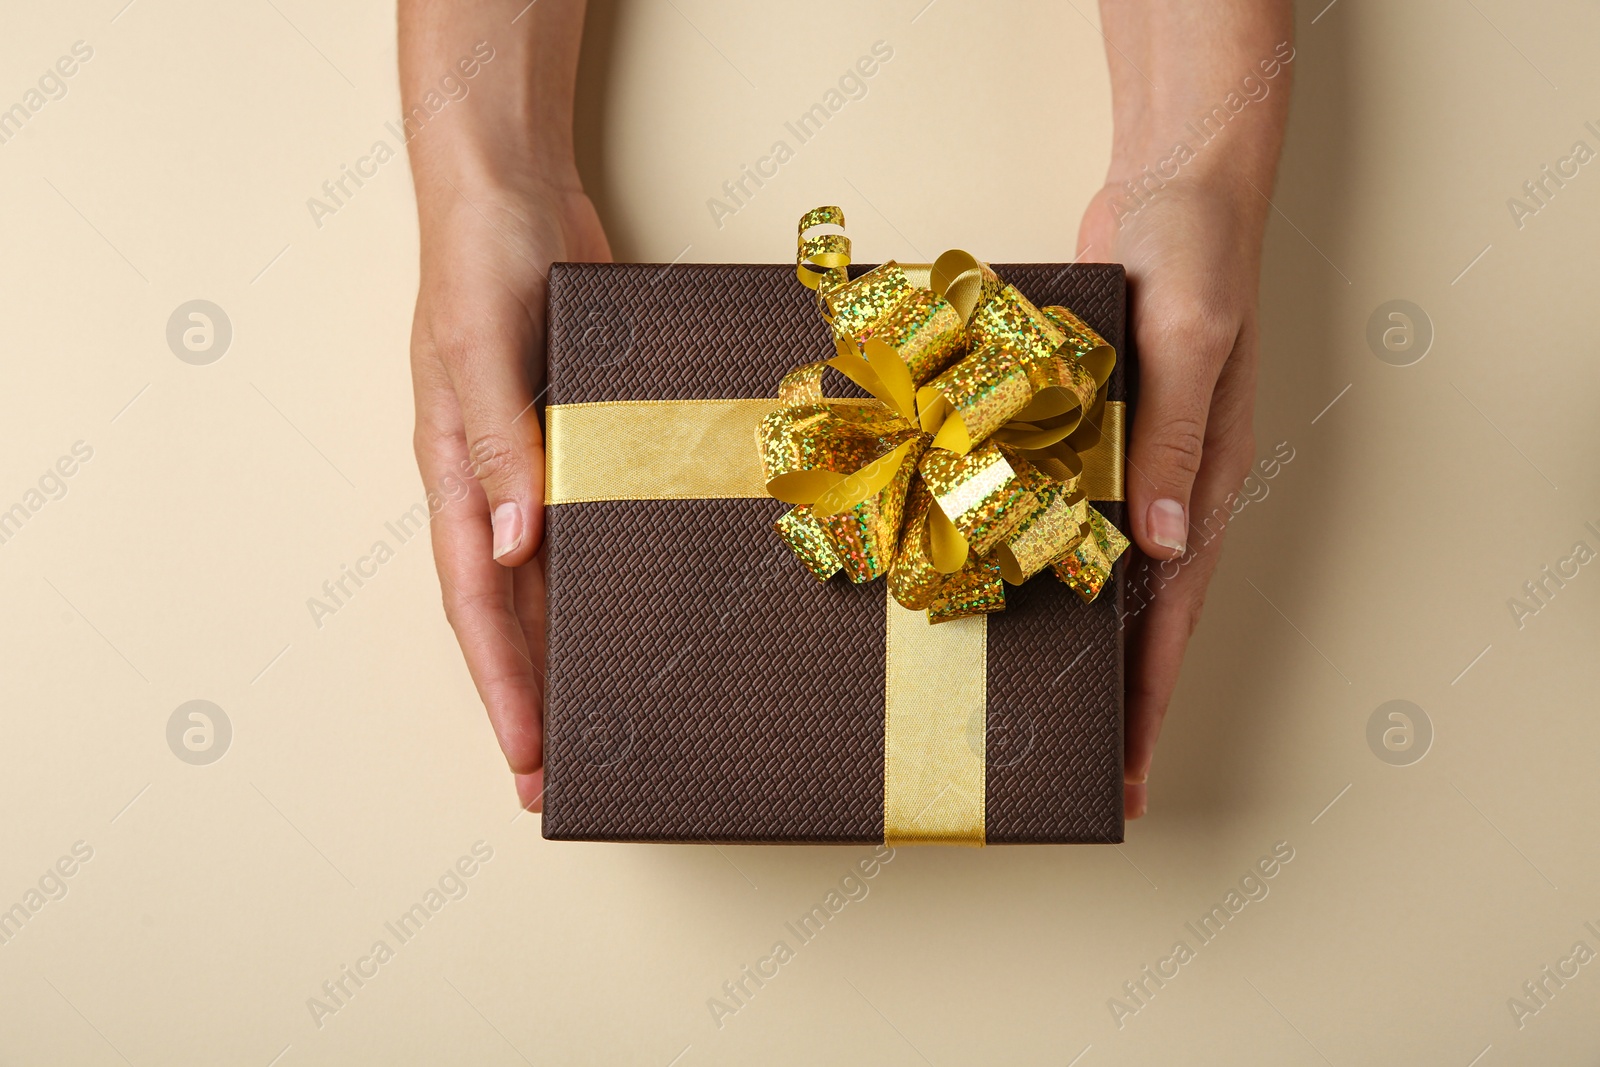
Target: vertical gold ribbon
x,y
935,696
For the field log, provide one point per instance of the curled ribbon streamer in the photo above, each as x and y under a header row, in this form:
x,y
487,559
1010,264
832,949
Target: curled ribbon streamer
x,y
963,470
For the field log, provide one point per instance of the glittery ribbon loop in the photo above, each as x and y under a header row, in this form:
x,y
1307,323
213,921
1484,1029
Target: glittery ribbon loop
x,y
822,256
963,470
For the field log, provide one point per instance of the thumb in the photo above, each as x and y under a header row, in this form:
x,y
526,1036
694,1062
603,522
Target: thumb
x,y
1176,381
505,445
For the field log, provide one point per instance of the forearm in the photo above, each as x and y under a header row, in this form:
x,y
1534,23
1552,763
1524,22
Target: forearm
x,y
1198,90
511,121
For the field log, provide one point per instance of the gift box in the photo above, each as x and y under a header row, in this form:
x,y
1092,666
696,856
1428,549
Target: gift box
x,y
703,685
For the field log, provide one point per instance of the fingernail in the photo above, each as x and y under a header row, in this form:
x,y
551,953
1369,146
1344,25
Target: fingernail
x,y
507,523
1169,527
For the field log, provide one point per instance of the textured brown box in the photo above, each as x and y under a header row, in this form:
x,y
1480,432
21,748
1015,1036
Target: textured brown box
x,y
687,701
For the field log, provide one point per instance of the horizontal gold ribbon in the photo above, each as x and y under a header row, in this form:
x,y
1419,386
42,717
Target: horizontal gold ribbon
x,y
700,450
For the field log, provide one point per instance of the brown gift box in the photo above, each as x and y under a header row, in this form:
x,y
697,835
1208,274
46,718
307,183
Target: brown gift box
x,y
701,685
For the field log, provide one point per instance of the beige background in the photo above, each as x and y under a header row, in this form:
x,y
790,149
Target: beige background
x,y
219,498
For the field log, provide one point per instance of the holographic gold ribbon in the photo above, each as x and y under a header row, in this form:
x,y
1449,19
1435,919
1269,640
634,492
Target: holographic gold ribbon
x,y
966,469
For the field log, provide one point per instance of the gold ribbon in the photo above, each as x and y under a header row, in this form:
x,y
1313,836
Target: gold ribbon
x,y
936,683
988,434
700,450
966,469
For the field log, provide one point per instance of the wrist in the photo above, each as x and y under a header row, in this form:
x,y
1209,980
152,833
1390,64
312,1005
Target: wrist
x,y
474,184
492,152
1199,171
1201,91
486,108
1228,151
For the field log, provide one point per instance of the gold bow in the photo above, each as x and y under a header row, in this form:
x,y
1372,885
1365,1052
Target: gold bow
x,y
965,468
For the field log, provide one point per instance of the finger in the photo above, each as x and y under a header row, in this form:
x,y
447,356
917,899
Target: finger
x,y
528,590
1168,596
528,586
1133,799
1181,357
530,790
485,345
477,592
1166,619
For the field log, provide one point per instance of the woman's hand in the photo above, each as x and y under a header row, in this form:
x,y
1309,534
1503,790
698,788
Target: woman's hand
x,y
498,200
477,361
1193,279
1189,232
